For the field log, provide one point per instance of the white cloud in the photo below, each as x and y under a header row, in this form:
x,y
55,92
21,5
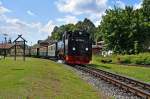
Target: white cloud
x,y
48,28
72,6
30,13
68,19
31,31
78,7
92,9
120,4
13,25
138,5
97,23
3,10
101,2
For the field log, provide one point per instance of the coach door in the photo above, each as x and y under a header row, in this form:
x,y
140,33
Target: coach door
x,y
37,51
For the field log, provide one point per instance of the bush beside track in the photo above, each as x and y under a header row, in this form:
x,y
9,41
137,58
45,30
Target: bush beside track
x,y
140,59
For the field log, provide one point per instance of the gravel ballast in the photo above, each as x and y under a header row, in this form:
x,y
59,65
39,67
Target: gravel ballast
x,y
104,87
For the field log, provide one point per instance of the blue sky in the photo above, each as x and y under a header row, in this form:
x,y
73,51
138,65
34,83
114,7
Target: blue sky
x,y
35,19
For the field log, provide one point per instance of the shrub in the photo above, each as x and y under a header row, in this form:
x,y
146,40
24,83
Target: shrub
x,y
143,59
126,60
106,60
147,61
139,59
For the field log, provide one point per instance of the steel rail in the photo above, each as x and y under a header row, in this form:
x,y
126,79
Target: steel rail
x,y
141,84
130,85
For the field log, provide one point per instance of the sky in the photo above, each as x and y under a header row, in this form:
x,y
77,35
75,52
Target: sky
x,y
35,19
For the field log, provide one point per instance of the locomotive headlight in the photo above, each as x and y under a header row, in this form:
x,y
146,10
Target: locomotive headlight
x,y
73,48
80,33
86,49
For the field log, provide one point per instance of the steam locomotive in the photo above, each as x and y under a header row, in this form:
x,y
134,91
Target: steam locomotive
x,y
74,48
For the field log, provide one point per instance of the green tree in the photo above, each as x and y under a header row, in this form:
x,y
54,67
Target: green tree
x,y
121,28
56,35
146,8
58,32
98,34
136,47
88,26
146,21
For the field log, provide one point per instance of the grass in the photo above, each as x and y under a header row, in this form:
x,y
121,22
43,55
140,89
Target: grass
x,y
139,59
41,79
140,73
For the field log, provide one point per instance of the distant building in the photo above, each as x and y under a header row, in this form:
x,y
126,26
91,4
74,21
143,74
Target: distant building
x,y
5,47
42,46
100,49
19,50
46,42
97,49
10,51
107,53
43,43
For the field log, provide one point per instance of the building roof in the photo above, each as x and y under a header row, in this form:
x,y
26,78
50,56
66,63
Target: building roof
x,y
20,37
6,46
97,46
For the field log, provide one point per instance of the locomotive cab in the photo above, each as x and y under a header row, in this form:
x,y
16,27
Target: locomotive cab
x,y
77,47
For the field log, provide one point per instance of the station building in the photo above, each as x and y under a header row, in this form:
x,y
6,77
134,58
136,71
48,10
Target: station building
x,y
9,50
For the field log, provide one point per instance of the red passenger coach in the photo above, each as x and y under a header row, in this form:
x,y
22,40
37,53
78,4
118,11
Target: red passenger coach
x,y
75,48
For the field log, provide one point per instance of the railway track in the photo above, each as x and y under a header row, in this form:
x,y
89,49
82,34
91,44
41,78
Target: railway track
x,y
138,88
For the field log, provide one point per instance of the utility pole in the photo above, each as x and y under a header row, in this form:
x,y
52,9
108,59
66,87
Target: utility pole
x,y
30,49
5,37
5,48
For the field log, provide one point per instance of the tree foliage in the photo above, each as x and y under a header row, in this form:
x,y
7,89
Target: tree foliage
x,y
125,31
146,8
146,14
86,25
58,31
123,28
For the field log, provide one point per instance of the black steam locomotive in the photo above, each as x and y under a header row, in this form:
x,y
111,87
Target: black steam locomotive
x,y
75,48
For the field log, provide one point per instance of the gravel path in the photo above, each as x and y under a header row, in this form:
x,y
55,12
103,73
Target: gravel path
x,y
106,88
